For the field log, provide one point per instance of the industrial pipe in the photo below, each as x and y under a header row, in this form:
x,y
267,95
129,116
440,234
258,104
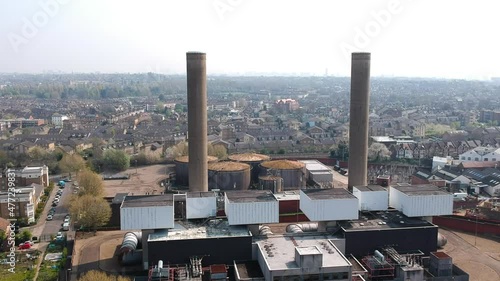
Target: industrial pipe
x,y
265,230
299,228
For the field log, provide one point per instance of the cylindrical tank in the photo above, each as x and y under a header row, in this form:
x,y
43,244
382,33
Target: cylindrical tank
x,y
252,159
292,172
182,169
273,183
228,175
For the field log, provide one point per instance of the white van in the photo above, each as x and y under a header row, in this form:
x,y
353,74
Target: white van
x,y
66,226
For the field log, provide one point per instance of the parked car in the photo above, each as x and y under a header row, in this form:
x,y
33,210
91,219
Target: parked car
x,y
24,246
66,220
49,217
67,216
29,242
54,204
59,236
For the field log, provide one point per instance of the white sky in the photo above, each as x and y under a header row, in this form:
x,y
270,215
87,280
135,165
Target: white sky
x,y
444,38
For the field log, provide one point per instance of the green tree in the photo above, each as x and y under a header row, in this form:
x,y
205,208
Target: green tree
x,y
3,236
90,211
378,152
90,184
115,159
71,163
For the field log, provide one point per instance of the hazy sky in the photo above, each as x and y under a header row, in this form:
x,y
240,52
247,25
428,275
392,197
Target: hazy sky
x,y
452,39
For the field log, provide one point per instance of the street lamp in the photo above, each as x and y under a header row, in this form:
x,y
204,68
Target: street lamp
x,y
68,274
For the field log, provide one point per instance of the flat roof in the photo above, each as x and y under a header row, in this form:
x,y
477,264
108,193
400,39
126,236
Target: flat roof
x,y
315,165
118,199
288,195
250,196
200,194
370,187
329,193
308,250
383,220
148,201
424,189
279,251
189,230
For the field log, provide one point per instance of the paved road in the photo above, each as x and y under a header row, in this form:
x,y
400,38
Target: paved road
x,y
55,225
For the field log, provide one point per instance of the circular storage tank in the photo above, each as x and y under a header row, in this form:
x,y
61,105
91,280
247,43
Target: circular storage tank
x,y
182,168
273,183
252,159
292,172
228,176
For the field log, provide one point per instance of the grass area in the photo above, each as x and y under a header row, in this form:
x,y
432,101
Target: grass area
x,y
24,268
49,271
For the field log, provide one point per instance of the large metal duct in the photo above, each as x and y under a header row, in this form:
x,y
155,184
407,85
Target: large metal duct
x,y
441,241
265,230
197,120
131,242
299,228
358,125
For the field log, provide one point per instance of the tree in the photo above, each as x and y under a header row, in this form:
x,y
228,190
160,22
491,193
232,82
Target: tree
x,y
340,151
25,235
71,163
115,159
90,211
378,151
217,150
180,149
3,236
37,153
90,184
96,275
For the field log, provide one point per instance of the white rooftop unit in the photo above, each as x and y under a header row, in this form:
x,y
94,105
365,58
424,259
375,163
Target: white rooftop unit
x,y
421,200
201,205
147,212
317,171
328,204
371,197
251,207
321,177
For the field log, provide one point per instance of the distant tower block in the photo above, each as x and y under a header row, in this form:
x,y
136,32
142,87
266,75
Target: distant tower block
x,y
358,127
197,120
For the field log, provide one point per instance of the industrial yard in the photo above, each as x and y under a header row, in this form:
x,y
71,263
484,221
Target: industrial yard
x,y
143,180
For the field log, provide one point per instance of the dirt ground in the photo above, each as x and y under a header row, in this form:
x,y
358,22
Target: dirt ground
x,y
142,180
478,256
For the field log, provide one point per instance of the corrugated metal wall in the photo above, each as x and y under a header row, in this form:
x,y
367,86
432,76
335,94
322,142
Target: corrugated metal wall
x,y
147,217
201,207
330,209
239,213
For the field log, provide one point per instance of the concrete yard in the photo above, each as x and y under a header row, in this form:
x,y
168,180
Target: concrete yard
x,y
142,180
480,257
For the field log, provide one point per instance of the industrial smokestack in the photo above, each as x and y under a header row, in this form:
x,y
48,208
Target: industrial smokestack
x,y
197,121
358,127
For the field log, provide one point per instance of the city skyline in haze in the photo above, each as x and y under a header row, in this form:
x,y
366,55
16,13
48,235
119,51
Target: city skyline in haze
x,y
242,37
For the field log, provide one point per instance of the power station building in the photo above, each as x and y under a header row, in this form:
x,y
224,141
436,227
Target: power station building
x,y
332,233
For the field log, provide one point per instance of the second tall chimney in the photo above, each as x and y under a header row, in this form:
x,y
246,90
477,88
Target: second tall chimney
x,y
197,120
358,126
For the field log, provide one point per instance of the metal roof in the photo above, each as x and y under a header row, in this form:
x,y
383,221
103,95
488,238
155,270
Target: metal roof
x,y
330,193
148,201
250,196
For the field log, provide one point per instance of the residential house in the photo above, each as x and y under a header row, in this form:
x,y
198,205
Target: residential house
x,y
24,205
481,154
25,176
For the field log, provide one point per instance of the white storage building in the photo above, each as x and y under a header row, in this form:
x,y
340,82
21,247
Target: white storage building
x,y
371,197
328,204
201,205
421,200
318,172
147,212
251,207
